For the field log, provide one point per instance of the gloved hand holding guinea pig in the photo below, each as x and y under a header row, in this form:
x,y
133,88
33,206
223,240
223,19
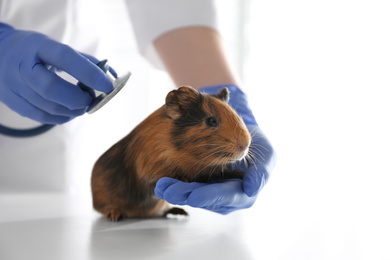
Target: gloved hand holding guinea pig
x,y
227,195
195,150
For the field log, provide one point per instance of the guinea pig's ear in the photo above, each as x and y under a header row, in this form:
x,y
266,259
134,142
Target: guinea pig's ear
x,y
177,101
223,95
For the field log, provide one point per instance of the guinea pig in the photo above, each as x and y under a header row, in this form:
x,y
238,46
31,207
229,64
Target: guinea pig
x,y
193,137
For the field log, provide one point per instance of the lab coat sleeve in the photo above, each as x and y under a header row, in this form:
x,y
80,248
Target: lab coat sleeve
x,y
152,18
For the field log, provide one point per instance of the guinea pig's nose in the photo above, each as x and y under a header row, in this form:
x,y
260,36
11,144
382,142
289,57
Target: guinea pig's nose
x,y
242,150
241,147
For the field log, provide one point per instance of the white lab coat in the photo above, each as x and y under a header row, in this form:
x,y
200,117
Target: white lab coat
x,y
47,162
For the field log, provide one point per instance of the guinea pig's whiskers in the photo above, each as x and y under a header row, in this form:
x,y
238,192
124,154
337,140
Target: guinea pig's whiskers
x,y
212,171
255,135
232,164
216,163
200,163
247,160
258,148
256,153
252,158
215,167
255,150
259,145
212,167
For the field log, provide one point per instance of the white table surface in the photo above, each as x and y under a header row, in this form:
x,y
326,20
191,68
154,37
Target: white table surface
x,y
57,226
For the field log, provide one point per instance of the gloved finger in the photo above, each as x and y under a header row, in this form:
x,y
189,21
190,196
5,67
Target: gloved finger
x,y
262,161
69,60
254,180
226,194
24,108
222,210
96,61
162,184
53,88
175,191
48,106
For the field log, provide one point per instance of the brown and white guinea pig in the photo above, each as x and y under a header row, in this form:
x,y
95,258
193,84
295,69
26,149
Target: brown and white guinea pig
x,y
193,137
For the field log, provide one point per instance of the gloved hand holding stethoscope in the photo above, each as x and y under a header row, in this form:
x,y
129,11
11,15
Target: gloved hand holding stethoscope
x,y
29,87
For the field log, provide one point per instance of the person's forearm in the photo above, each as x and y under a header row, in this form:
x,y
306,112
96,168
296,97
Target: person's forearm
x,y
194,56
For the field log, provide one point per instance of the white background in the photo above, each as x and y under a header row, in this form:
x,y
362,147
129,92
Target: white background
x,y
318,77
317,74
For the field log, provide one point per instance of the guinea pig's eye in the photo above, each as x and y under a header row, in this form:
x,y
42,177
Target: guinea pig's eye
x,y
211,122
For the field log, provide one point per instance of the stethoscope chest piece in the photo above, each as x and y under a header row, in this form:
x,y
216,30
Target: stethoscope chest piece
x,y
101,98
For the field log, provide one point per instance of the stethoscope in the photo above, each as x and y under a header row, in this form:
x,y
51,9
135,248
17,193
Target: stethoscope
x,y
100,99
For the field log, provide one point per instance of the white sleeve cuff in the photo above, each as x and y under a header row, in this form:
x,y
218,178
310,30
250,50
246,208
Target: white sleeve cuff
x,y
152,18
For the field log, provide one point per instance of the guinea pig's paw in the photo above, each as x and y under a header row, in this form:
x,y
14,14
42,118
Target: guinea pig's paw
x,y
176,213
113,214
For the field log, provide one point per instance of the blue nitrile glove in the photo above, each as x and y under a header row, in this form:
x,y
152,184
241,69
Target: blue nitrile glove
x,y
96,61
226,196
29,85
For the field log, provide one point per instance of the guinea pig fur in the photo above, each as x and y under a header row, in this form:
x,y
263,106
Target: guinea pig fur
x,y
193,137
